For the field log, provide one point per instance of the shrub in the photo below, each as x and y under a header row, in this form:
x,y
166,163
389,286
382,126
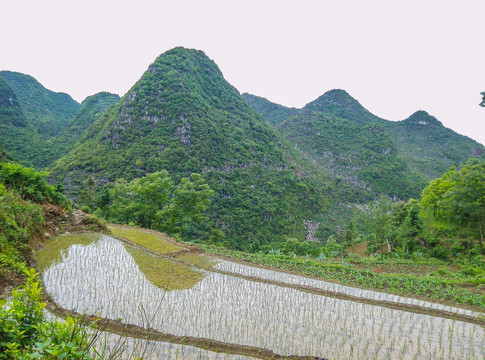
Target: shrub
x,y
26,334
440,252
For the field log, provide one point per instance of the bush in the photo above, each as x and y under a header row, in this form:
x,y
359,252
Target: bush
x,y
26,334
31,184
440,252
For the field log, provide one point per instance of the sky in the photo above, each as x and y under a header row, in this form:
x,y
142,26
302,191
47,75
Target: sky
x,y
395,57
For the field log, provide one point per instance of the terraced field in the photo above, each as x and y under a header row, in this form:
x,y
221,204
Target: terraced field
x,y
177,294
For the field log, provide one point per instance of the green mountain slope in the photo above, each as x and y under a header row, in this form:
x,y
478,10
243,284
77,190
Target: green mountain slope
x,y
361,154
48,111
273,113
4,155
184,117
339,103
91,109
429,147
39,126
426,147
17,135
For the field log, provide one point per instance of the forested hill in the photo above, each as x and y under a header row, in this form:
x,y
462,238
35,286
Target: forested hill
x,y
340,104
17,134
91,109
361,154
38,125
273,113
429,147
184,117
46,110
423,148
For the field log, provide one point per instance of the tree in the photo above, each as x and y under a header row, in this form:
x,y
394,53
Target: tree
x,y
411,229
465,200
483,99
87,194
188,204
140,200
433,195
382,217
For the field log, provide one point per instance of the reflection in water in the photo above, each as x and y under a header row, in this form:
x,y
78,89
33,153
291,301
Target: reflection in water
x,y
103,278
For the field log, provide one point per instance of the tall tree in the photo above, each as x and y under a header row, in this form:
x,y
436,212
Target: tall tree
x,y
189,203
466,199
459,197
432,195
140,200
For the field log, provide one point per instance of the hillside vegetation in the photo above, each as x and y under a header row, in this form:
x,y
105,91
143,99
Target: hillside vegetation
x,y
47,111
423,145
183,117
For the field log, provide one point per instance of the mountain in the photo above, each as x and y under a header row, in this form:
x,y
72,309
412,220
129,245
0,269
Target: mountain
x,y
340,104
17,135
39,126
91,109
273,113
183,116
48,111
420,146
429,147
361,154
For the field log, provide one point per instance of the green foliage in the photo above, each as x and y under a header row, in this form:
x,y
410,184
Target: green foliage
x,y
153,202
271,112
21,219
188,204
4,155
140,200
459,197
31,184
26,334
483,99
183,117
47,111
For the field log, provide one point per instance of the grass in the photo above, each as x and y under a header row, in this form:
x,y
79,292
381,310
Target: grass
x,y
149,240
200,260
164,273
52,252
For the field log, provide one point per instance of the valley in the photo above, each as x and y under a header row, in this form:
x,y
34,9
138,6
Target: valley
x,y
186,220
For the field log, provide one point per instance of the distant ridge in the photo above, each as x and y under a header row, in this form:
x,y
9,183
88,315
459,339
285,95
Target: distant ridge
x,y
426,146
47,111
272,112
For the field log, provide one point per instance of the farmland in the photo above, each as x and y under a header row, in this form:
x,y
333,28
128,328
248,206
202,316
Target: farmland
x,y
244,306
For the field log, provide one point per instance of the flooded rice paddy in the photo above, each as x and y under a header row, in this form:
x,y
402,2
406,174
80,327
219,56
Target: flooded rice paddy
x,y
158,350
102,278
279,276
131,348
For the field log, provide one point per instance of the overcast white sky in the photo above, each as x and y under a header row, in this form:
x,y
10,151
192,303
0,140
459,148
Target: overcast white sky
x,y
394,57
